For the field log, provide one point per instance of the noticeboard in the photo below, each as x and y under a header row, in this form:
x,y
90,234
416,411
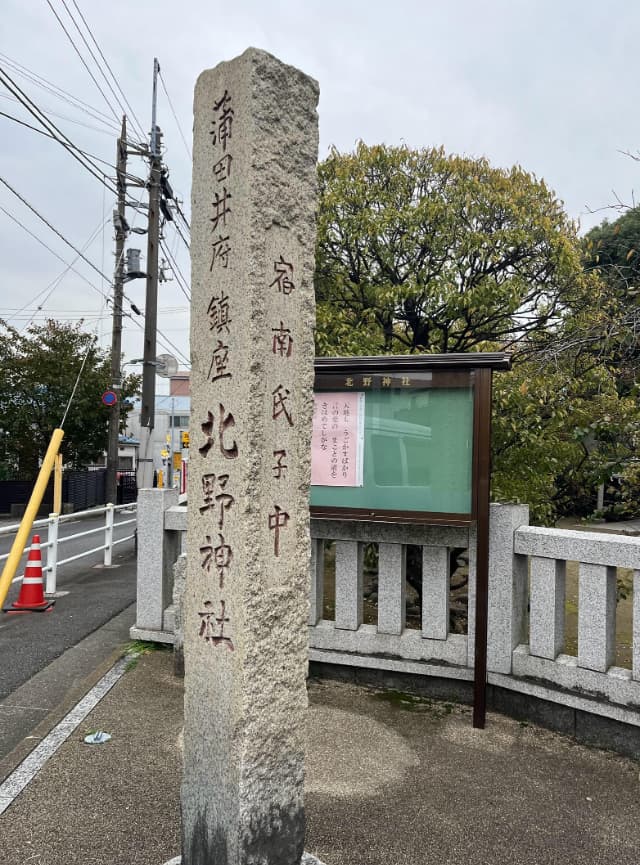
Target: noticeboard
x,y
396,439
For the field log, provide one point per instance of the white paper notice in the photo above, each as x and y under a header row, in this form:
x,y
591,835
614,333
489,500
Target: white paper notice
x,y
337,443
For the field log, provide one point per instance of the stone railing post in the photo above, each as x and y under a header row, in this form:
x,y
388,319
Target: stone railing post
x,y
316,595
157,553
179,574
636,625
508,586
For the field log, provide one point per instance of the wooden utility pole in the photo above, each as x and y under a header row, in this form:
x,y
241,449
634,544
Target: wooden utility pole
x,y
116,334
147,414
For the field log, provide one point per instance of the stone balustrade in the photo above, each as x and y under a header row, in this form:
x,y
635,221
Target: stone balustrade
x,y
598,556
526,655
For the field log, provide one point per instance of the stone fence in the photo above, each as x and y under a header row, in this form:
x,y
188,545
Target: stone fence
x,y
529,673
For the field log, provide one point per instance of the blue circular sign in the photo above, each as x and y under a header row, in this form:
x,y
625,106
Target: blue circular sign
x,y
109,397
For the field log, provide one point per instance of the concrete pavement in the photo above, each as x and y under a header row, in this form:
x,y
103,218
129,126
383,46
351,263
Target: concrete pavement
x,y
391,780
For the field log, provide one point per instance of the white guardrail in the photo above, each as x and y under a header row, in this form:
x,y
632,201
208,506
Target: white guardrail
x,y
54,542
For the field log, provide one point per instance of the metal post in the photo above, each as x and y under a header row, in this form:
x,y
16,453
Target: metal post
x,y
20,540
483,477
116,335
52,555
108,535
147,414
57,485
172,449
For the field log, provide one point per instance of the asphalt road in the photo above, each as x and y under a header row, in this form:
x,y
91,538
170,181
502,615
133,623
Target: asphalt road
x,y
88,596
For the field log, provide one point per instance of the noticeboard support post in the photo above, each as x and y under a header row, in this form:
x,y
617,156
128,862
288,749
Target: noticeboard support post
x,y
483,485
452,372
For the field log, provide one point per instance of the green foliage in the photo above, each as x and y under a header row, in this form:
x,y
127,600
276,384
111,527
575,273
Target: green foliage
x,y
558,432
623,494
613,250
421,251
39,371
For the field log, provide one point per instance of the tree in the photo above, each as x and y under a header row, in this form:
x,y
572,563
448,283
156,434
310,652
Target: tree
x,y
559,430
423,252
612,251
39,371
419,251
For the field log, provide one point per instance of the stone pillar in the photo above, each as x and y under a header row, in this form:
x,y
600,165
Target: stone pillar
x,y
546,607
392,584
596,617
435,593
508,586
248,551
157,553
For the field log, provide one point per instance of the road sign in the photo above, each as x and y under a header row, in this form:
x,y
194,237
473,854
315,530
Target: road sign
x,y
109,397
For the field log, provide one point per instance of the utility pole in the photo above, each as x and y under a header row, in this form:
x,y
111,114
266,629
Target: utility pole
x,y
147,415
120,226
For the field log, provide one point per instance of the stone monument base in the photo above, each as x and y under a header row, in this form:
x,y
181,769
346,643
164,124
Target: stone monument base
x,y
307,859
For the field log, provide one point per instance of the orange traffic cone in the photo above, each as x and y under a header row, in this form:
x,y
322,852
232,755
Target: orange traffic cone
x,y
31,597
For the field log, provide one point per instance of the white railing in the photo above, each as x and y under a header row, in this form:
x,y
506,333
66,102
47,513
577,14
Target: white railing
x,y
53,542
526,615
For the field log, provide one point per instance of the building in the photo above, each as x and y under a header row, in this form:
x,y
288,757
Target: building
x,y
170,430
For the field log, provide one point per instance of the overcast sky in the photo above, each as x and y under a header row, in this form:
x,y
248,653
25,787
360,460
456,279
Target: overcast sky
x,y
549,84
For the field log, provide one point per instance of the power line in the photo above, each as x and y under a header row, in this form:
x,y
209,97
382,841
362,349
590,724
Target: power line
x,y
184,218
181,235
54,253
82,60
58,92
41,117
162,338
77,149
108,132
93,57
56,282
55,230
106,62
182,283
175,116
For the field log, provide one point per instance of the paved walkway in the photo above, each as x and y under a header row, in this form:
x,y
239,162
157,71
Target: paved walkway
x,y
389,782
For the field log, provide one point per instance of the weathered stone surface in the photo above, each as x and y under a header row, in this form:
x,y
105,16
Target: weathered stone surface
x,y
613,695
349,592
435,593
595,548
367,640
596,617
636,626
547,600
392,581
179,578
157,551
316,595
508,586
246,600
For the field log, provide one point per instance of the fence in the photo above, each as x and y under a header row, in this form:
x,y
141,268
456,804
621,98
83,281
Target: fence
x,y
53,543
527,654
81,489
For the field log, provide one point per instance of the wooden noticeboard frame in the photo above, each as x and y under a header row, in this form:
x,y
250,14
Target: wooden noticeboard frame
x,y
447,370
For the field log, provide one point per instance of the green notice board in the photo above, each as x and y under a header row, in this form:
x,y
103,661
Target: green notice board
x,y
417,453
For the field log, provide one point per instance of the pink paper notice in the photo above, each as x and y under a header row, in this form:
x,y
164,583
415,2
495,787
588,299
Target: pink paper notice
x,y
337,443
